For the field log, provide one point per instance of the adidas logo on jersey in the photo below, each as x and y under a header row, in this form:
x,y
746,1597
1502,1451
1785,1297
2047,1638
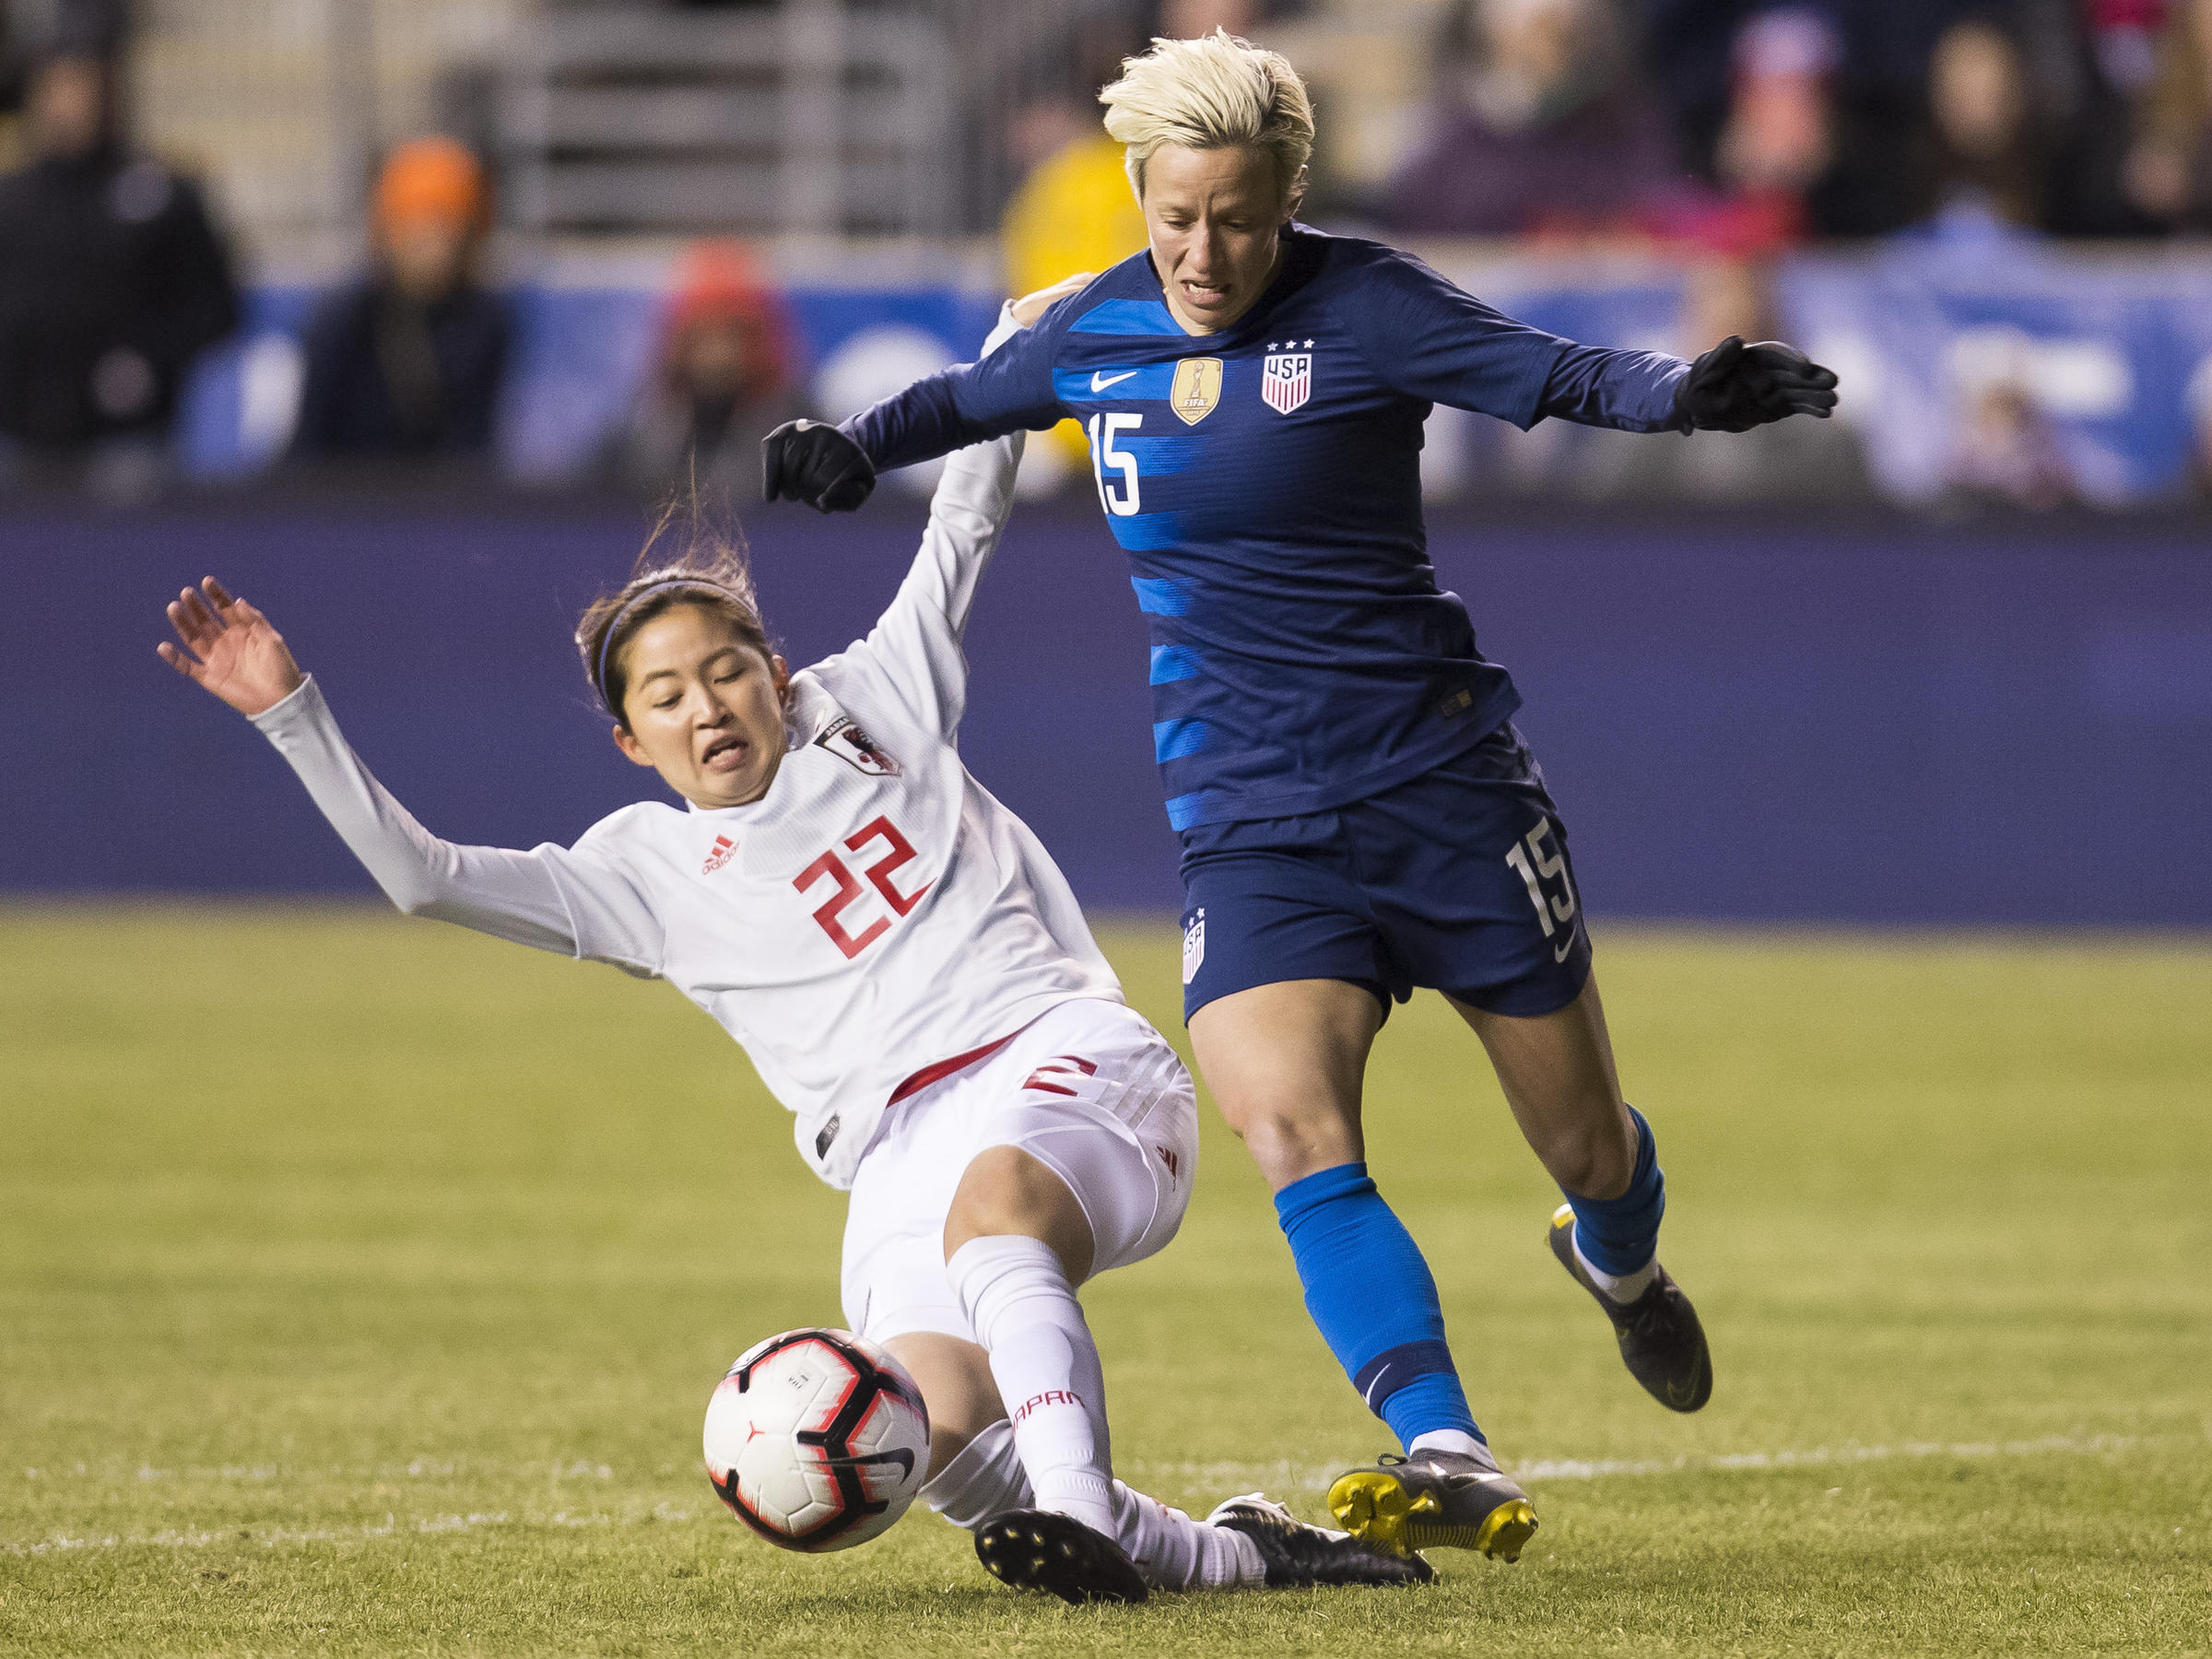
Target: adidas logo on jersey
x,y
723,851
857,749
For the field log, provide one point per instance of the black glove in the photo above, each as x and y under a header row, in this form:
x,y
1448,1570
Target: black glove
x,y
1734,387
811,462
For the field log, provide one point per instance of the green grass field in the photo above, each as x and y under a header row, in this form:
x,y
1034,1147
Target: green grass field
x,y
362,1282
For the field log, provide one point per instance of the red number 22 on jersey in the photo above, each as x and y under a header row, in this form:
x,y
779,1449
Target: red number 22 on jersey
x,y
848,888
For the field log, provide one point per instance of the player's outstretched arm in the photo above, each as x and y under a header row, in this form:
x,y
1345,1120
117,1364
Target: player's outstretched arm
x,y
1734,387
832,469
914,647
550,898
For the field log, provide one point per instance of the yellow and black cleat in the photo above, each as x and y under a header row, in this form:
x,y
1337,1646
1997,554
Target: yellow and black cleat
x,y
1434,1501
1662,1342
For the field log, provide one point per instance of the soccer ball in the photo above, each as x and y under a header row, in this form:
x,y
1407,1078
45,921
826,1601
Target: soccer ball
x,y
817,1440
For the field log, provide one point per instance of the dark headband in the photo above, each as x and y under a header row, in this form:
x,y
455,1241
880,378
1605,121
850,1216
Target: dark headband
x,y
607,640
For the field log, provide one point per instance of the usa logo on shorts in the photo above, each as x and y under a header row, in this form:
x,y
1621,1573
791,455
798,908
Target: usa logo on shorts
x,y
1194,946
1287,378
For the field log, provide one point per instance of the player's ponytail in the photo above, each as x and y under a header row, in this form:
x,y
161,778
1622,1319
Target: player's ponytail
x,y
687,559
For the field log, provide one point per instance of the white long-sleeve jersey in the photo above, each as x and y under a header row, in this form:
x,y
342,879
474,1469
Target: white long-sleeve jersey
x,y
875,914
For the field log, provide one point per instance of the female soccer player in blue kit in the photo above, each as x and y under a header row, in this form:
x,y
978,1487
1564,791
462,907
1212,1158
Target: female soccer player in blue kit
x,y
1358,815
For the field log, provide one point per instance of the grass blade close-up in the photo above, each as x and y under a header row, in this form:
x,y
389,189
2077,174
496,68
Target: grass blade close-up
x,y
365,1282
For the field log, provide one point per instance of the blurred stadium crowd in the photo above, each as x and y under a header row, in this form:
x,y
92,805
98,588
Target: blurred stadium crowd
x,y
584,242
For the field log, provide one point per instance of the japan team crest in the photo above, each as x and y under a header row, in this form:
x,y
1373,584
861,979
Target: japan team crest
x,y
1287,380
857,749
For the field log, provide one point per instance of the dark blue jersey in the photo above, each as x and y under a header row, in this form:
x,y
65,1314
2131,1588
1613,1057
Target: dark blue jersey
x,y
1265,482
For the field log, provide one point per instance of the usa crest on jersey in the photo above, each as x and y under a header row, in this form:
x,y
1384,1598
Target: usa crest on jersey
x,y
1287,380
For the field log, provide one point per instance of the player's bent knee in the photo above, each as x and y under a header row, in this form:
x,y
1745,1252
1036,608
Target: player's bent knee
x,y
1596,1161
1007,1192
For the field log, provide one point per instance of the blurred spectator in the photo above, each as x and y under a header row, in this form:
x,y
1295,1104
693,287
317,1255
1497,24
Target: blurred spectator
x,y
1731,293
111,281
721,380
2007,454
407,362
1991,154
1758,89
2123,35
2168,174
1540,123
1779,139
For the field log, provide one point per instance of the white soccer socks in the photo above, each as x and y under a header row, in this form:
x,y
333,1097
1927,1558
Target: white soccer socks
x,y
1172,1551
985,1479
1016,1296
1024,1311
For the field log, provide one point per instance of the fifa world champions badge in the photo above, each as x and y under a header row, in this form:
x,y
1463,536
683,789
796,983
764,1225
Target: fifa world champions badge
x,y
1197,390
1287,378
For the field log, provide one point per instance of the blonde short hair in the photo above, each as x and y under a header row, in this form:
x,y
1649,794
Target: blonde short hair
x,y
1211,93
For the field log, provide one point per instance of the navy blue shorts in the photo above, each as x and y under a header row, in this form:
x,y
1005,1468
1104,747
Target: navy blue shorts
x,y
1457,880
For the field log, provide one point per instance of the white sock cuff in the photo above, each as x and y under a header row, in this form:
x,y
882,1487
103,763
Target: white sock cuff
x,y
1621,1286
1453,1440
984,1269
986,1479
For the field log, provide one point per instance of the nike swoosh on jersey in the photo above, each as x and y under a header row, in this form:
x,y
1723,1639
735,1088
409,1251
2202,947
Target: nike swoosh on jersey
x,y
1561,954
1100,381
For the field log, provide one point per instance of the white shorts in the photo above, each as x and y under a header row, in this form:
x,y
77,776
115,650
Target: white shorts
x,y
1090,1090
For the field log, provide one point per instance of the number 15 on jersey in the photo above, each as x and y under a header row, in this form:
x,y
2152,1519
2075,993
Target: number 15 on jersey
x,y
1106,453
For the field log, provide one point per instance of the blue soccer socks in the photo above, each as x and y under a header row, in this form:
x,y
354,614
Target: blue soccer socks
x,y
1619,1237
1374,1300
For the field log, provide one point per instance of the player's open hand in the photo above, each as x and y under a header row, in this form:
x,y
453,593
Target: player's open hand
x,y
811,462
1734,387
231,649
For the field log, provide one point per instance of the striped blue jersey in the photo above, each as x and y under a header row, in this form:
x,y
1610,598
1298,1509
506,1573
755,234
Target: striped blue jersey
x,y
1265,484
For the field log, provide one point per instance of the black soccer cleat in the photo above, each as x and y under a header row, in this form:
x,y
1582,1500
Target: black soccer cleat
x,y
1661,1341
1299,1557
1039,1549
1432,1500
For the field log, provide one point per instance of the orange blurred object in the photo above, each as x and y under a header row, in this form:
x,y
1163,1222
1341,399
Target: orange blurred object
x,y
719,282
432,180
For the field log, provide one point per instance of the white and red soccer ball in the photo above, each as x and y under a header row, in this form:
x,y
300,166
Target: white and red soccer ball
x,y
817,1440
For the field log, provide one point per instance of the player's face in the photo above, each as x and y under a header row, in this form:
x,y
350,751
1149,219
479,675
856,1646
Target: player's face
x,y
1213,217
705,707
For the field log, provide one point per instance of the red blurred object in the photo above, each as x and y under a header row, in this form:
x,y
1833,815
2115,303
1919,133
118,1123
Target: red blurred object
x,y
2145,15
718,281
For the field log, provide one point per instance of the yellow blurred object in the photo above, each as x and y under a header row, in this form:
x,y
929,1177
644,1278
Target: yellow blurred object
x,y
1075,211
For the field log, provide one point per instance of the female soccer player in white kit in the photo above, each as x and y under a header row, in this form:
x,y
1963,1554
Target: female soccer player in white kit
x,y
907,969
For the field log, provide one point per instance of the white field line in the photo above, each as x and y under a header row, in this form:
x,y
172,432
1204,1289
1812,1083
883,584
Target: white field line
x,y
1312,1478
391,1526
1279,1475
